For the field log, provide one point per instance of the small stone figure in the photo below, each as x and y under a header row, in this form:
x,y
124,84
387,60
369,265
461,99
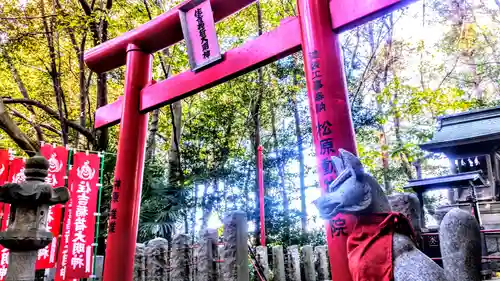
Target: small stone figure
x,y
27,231
380,243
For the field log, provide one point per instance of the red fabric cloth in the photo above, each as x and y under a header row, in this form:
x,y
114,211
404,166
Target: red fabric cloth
x,y
369,245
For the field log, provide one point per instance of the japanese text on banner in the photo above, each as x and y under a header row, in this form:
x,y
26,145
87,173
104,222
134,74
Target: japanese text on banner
x,y
84,203
62,258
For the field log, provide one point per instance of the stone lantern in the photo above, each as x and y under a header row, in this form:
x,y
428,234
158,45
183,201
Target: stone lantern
x,y
27,231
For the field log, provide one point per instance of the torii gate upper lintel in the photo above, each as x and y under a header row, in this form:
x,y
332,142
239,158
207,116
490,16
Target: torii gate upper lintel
x,y
319,22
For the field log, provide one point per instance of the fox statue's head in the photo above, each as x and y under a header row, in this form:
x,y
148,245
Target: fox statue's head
x,y
353,191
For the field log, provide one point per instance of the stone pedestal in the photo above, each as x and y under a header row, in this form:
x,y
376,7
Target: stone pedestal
x,y
140,262
235,265
460,246
292,261
207,254
322,263
22,266
181,258
278,264
157,264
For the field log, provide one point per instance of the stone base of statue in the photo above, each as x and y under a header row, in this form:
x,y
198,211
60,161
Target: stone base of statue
x,y
22,266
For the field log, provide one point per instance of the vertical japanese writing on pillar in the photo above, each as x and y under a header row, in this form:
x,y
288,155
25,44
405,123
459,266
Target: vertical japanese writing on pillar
x,y
115,199
338,227
203,33
323,126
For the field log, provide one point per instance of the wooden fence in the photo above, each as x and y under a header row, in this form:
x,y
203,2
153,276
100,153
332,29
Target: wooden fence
x,y
231,260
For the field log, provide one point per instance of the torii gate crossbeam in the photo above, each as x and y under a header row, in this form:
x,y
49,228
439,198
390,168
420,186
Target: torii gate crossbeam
x,y
314,32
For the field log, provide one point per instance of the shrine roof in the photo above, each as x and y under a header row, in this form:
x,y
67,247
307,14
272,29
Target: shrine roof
x,y
456,133
461,180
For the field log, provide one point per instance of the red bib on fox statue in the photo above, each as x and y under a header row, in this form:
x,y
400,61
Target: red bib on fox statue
x,y
364,245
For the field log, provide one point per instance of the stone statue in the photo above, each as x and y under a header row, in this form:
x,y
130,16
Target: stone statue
x,y
357,196
27,231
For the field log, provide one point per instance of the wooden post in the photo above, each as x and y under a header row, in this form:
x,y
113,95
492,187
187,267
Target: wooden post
x,y
278,264
181,257
235,247
308,263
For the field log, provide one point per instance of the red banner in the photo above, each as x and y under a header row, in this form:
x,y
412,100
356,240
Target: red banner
x,y
4,176
4,211
58,160
15,175
84,178
62,259
4,166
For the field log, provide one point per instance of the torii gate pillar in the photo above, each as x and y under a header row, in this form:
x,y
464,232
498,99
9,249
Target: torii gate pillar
x,y
123,221
329,108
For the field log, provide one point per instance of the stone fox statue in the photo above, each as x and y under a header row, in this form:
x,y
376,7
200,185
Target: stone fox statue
x,y
379,243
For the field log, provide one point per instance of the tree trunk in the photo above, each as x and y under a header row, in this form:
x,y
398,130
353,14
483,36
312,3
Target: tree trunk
x,y
102,80
102,135
193,213
153,129
418,169
24,92
281,175
54,71
83,89
99,30
385,160
206,206
174,157
379,85
300,153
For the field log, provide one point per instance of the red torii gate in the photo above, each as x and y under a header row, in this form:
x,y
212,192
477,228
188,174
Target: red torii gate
x,y
319,23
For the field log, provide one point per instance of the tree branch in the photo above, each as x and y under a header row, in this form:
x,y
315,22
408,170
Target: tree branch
x,y
39,133
11,128
50,128
82,130
85,7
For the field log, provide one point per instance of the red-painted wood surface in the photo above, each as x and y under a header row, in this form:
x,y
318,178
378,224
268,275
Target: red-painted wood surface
x,y
269,47
126,197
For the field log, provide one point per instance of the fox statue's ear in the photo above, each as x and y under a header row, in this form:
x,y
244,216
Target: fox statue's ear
x,y
351,162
